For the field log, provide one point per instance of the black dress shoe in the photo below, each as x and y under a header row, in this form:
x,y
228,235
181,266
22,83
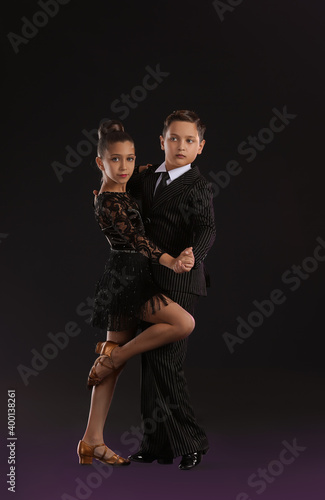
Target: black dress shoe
x,y
146,458
190,460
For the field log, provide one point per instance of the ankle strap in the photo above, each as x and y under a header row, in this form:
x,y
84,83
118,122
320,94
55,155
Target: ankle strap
x,y
105,348
97,446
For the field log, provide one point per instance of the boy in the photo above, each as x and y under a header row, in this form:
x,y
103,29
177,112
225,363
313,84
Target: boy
x,y
177,213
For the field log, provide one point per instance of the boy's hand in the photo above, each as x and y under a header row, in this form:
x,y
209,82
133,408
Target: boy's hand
x,y
185,261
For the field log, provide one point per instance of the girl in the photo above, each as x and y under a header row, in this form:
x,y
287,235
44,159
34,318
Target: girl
x,y
126,292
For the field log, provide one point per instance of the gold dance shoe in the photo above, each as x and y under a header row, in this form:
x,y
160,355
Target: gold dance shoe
x,y
86,455
105,359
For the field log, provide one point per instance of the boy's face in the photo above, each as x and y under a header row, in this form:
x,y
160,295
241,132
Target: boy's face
x,y
181,144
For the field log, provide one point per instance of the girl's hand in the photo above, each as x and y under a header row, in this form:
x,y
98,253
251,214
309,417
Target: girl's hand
x,y
144,167
184,262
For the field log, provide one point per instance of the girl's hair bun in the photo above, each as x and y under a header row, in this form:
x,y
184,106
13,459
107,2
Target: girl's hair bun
x,y
110,126
110,132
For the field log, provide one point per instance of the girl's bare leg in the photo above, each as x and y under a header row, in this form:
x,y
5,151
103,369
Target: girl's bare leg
x,y
171,323
101,400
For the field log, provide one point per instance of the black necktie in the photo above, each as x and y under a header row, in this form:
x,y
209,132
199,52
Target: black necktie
x,y
162,184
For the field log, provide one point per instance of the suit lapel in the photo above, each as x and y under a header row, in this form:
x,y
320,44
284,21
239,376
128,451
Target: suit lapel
x,y
175,188
150,187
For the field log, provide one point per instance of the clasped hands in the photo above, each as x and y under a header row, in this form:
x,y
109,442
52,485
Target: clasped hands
x,y
181,264
184,262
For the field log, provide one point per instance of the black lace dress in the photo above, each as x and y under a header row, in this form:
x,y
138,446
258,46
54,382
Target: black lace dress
x,y
126,290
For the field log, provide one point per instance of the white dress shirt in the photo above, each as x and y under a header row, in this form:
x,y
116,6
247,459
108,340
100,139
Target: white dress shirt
x,y
173,174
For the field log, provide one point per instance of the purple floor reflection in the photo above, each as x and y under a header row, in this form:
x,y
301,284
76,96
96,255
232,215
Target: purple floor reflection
x,y
53,473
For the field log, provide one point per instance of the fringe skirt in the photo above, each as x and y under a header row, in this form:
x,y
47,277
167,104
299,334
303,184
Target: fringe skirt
x,y
125,292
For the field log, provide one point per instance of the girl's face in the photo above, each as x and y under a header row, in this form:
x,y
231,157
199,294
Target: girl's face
x,y
181,144
117,165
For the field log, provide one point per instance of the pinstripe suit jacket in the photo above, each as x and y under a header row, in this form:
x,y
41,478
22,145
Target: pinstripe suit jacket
x,y
181,216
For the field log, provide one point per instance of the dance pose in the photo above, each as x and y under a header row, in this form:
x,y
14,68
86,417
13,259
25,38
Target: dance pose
x,y
180,215
126,292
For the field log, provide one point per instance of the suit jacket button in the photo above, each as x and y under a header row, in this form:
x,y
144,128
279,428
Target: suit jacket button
x,y
147,220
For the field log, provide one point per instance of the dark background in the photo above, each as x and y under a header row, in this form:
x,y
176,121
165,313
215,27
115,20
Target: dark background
x,y
233,73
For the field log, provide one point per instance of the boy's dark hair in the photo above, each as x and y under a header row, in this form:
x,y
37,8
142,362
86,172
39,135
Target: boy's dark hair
x,y
185,115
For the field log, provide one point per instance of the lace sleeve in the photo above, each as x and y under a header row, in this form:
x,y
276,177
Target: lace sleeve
x,y
135,184
127,222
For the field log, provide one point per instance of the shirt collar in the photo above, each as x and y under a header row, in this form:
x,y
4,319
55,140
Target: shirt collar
x,y
176,172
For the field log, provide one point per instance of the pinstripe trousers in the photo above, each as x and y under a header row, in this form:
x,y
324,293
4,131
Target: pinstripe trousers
x,y
170,426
